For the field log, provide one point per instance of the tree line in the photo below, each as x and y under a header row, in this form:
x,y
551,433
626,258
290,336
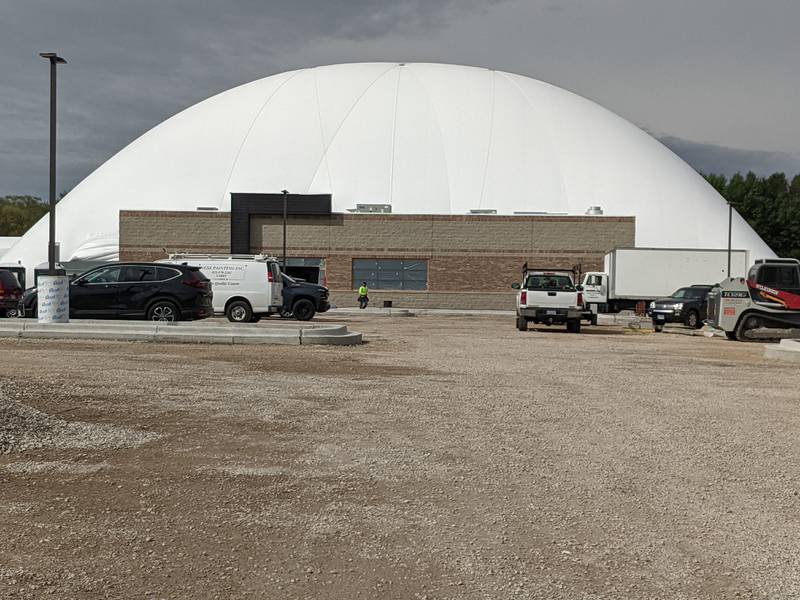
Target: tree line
x,y
770,204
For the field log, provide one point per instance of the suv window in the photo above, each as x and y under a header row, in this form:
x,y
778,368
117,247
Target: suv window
x,y
550,283
164,273
136,273
104,275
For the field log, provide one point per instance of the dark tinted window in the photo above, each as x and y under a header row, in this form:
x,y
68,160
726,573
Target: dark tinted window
x,y
135,273
391,274
103,275
8,280
779,276
163,273
550,283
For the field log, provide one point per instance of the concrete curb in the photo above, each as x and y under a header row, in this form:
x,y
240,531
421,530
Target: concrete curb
x,y
788,350
211,333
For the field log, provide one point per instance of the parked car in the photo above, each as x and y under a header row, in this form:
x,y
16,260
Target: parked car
x,y
10,294
302,299
688,305
246,286
549,296
155,292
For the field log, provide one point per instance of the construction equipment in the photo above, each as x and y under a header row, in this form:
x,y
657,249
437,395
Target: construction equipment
x,y
763,307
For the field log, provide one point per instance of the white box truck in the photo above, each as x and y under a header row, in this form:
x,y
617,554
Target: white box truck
x,y
633,275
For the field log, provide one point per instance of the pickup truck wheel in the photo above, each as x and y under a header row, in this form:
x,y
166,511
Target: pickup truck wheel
x,y
303,310
522,323
255,318
693,320
574,326
593,319
658,327
731,335
239,311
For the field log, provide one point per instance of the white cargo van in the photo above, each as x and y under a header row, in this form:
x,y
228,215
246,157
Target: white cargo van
x,y
245,286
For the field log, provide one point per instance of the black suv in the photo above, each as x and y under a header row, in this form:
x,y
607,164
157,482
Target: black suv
x,y
155,292
10,293
302,299
688,305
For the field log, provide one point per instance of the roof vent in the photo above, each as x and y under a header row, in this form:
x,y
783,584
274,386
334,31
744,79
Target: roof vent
x,y
594,211
371,208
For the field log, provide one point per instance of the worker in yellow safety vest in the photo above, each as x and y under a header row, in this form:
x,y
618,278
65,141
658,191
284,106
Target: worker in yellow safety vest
x,y
363,300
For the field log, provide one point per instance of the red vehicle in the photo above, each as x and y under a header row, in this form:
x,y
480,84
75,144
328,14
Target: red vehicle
x,y
10,293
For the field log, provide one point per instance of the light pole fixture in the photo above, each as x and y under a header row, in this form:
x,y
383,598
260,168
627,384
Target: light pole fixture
x,y
55,60
285,206
730,230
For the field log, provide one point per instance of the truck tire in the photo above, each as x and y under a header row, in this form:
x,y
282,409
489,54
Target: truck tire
x,y
658,327
522,323
693,320
593,319
304,310
731,335
239,311
574,326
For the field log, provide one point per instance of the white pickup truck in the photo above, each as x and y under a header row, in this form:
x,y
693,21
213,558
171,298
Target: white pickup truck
x,y
549,296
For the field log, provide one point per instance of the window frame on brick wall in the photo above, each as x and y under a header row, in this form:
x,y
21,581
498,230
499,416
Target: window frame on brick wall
x,y
391,274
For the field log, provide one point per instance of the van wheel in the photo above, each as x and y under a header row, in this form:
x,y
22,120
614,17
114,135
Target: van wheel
x,y
163,310
303,310
239,311
522,323
693,320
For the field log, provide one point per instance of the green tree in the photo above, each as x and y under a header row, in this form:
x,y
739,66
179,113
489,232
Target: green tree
x,y
771,205
19,213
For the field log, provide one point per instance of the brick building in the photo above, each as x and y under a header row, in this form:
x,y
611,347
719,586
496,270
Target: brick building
x,y
424,261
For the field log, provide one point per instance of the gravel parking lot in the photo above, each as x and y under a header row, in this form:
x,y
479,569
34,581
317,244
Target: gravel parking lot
x,y
447,458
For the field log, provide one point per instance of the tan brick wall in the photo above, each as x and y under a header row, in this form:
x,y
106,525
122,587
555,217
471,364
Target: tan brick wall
x,y
472,259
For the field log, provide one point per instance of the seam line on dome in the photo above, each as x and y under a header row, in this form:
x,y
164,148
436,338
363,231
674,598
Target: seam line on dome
x,y
441,137
322,141
250,129
557,162
489,142
394,134
346,117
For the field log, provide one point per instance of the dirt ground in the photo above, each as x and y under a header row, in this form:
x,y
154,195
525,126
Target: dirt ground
x,y
446,458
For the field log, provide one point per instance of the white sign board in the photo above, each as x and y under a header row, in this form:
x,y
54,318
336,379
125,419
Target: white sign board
x,y
53,299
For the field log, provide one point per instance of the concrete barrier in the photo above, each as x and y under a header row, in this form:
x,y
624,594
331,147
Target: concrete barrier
x,y
182,332
788,350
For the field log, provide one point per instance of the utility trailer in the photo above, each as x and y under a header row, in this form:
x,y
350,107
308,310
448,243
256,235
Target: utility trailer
x,y
634,275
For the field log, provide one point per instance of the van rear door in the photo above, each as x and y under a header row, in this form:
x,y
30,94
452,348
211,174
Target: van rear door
x,y
276,285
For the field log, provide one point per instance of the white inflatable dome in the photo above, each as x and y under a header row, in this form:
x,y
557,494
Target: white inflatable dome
x,y
424,138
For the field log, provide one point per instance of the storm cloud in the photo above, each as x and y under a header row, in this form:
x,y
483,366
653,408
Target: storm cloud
x,y
722,71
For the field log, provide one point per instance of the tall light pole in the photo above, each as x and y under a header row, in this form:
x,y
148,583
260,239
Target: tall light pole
x,y
51,247
730,230
285,206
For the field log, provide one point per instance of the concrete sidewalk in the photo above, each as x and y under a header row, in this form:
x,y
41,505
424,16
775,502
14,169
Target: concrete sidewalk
x,y
788,350
183,332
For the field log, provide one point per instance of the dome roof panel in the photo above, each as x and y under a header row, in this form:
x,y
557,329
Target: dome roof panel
x,y
426,138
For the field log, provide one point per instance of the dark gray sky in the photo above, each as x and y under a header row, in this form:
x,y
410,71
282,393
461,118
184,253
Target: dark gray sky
x,y
717,79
